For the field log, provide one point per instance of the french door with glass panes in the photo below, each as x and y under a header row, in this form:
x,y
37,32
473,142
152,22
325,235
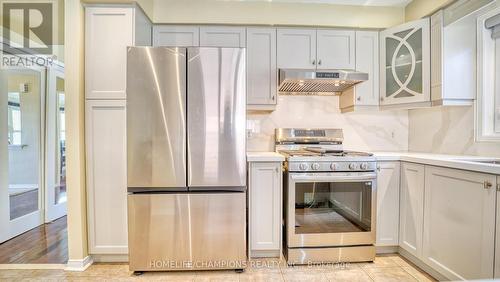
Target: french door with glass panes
x,y
405,63
22,108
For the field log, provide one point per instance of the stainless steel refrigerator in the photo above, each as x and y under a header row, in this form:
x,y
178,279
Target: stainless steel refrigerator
x,y
186,159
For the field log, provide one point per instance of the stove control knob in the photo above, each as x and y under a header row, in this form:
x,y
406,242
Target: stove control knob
x,y
303,166
315,166
363,166
334,166
352,166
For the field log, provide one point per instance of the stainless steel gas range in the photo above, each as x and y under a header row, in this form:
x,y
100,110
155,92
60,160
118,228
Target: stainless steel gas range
x,y
329,198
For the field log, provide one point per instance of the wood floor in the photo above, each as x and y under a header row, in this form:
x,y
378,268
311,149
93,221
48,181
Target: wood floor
x,y
47,243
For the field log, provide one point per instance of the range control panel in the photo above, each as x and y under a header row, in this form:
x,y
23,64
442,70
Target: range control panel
x,y
332,166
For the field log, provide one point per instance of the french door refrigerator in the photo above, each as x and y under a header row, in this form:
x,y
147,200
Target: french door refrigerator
x,y
186,159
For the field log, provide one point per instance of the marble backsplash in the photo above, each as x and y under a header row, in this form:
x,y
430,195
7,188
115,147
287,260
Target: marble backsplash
x,y
447,130
364,131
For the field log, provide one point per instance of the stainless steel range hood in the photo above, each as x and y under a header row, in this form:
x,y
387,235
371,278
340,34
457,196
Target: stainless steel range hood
x,y
317,82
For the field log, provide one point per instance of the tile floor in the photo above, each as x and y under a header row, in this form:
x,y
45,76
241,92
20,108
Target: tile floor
x,y
385,268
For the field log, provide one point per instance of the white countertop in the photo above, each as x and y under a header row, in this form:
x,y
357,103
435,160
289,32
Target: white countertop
x,y
264,157
452,161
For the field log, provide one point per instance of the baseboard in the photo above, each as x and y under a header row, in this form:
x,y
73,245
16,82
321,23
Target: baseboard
x,y
386,249
110,258
79,264
422,265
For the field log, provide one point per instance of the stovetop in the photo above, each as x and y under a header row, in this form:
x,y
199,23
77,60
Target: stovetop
x,y
308,153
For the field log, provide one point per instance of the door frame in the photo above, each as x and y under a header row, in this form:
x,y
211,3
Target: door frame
x,y
52,211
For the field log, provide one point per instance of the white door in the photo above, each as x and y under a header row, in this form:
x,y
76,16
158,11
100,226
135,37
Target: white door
x,y
261,66
222,36
411,210
106,157
176,35
22,100
459,223
265,209
405,63
55,146
336,49
296,48
388,179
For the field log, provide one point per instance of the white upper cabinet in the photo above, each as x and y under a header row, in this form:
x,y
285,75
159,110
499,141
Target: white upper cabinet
x,y
106,55
388,178
336,49
365,94
405,64
108,33
176,35
222,36
296,48
411,209
459,223
261,67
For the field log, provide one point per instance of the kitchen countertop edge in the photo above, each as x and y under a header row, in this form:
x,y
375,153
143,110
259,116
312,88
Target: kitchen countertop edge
x,y
264,157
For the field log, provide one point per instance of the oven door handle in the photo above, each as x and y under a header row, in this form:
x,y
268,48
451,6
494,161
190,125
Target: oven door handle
x,y
334,177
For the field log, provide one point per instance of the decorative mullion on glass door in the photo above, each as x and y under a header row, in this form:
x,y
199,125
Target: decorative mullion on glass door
x,y
405,71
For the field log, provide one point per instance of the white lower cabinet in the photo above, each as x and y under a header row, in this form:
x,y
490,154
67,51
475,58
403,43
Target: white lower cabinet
x,y
497,239
265,201
459,223
106,153
411,209
388,178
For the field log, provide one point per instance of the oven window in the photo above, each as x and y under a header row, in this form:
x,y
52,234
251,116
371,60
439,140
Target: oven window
x,y
333,207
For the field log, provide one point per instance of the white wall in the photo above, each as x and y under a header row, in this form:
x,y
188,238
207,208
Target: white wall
x,y
274,13
369,131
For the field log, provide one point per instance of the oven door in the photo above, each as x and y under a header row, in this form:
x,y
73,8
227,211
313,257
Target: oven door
x,y
331,209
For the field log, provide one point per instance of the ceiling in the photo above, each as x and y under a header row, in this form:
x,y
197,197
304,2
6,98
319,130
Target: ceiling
x,y
395,3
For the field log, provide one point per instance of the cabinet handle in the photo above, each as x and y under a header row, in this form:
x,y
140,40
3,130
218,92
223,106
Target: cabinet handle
x,y
319,62
488,185
359,99
498,187
314,62
277,170
381,98
272,97
378,167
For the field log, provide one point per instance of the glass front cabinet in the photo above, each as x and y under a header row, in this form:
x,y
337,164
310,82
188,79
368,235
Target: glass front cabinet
x,y
405,64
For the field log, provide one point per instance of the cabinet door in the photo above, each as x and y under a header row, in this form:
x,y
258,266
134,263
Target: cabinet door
x,y
296,48
336,49
106,152
459,223
405,63
222,36
265,207
411,210
105,55
367,60
388,179
261,66
497,239
176,36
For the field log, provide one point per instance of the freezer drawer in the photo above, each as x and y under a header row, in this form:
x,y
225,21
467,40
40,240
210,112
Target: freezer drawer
x,y
187,231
